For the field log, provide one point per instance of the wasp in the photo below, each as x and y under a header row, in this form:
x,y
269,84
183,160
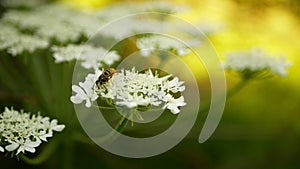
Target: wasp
x,y
105,76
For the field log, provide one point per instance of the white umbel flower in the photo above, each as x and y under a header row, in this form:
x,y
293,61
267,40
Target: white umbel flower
x,y
16,43
66,53
22,131
118,10
132,89
257,63
154,43
45,25
90,56
54,22
21,3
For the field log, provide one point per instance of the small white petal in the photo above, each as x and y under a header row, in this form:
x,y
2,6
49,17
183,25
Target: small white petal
x,y
12,147
59,127
88,103
33,143
77,90
1,149
76,99
30,149
56,127
21,149
45,136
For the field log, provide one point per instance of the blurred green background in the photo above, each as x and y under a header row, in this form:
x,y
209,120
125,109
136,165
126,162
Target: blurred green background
x,y
260,127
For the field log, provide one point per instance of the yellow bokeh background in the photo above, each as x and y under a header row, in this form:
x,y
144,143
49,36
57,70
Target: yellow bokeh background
x,y
271,27
245,24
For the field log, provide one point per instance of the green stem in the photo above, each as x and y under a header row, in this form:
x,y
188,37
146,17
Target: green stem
x,y
119,127
67,158
43,156
103,107
121,124
238,87
138,115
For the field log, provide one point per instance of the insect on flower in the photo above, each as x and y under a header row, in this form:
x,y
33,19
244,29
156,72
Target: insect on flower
x,y
105,76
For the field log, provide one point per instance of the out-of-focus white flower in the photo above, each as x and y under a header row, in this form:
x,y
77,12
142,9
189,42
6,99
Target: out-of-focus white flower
x,y
209,28
90,56
66,53
21,3
22,131
26,43
131,26
132,89
118,10
93,57
256,63
153,20
44,25
85,90
88,24
16,43
164,7
54,22
154,43
60,24
8,35
202,29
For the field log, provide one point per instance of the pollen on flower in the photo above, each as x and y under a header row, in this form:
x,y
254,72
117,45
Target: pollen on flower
x,y
21,131
132,89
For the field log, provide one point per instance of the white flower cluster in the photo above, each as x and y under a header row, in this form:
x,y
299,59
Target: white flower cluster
x,y
163,7
22,131
63,24
21,3
16,43
59,24
154,43
44,25
118,10
56,22
256,62
202,28
135,24
132,89
91,57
